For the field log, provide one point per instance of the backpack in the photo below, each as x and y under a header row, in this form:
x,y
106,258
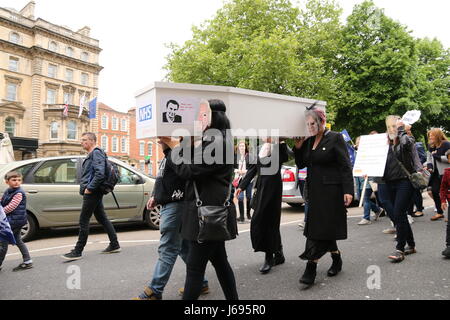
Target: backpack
x,y
112,177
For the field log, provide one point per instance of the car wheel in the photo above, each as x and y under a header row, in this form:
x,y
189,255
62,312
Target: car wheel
x,y
30,230
295,205
151,217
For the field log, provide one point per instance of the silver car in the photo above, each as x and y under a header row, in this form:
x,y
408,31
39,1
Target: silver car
x,y
53,199
293,182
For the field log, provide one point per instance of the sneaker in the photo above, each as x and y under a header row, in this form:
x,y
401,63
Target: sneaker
x,y
148,294
379,214
390,231
410,250
72,256
410,220
397,256
301,225
205,290
364,222
23,266
112,249
446,252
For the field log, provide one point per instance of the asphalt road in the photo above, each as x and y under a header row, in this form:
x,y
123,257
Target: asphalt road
x,y
422,276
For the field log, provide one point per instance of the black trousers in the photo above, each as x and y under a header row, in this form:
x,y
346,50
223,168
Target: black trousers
x,y
198,257
435,184
93,204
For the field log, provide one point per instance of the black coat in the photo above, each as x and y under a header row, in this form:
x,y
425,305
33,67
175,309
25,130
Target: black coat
x,y
213,183
329,178
265,223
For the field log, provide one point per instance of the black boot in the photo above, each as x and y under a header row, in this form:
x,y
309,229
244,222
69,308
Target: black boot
x,y
241,211
279,257
249,217
336,267
310,273
268,263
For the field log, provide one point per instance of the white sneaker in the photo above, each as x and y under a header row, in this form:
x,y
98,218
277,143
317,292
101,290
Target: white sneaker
x,y
390,231
410,219
364,222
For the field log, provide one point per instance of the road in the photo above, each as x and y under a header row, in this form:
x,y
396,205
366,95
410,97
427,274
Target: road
x,y
425,275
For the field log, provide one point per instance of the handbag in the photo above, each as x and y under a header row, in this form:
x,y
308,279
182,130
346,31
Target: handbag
x,y
237,180
215,220
417,179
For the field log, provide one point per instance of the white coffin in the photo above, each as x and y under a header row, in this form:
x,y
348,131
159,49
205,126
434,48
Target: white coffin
x,y
252,113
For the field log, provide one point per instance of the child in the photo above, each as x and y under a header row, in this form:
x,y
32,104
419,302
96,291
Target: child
x,y
445,199
13,202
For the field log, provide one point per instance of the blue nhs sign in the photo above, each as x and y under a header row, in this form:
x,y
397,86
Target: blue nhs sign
x,y
145,113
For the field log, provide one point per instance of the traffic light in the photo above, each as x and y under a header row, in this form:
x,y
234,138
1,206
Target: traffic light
x,y
147,159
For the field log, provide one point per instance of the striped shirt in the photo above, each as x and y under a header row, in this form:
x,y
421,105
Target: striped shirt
x,y
14,203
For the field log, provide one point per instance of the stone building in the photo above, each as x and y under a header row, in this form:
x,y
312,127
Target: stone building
x,y
43,68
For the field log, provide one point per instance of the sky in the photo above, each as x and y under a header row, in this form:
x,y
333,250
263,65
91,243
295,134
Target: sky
x,y
133,34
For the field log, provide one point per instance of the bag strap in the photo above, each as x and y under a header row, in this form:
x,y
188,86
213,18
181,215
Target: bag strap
x,y
199,202
401,164
115,199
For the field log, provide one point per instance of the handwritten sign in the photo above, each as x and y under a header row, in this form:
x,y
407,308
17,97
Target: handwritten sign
x,y
372,155
411,117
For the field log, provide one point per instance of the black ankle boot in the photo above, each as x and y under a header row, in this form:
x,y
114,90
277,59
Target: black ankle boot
x,y
310,273
249,217
336,267
268,263
279,257
241,211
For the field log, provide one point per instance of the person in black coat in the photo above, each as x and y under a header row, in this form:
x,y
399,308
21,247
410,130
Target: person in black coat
x,y
213,182
329,189
265,223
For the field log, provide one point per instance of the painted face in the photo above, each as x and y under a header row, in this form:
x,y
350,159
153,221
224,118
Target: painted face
x,y
391,126
312,125
204,116
172,110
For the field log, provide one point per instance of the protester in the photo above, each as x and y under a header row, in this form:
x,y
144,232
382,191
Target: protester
x,y
265,225
242,164
213,182
92,177
168,192
399,188
329,189
445,200
14,203
436,163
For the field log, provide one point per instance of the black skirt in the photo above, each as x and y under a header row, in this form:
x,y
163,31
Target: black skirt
x,y
316,249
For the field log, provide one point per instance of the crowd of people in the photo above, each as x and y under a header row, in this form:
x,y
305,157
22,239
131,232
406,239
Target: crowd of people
x,y
183,187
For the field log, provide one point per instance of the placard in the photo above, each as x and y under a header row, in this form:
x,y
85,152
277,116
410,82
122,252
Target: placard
x,y
371,156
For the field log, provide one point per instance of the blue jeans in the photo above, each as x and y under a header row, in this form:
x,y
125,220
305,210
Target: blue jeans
x,y
384,197
369,204
399,195
248,193
171,246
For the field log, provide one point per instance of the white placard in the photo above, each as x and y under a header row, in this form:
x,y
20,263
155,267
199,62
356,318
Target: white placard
x,y
411,117
371,156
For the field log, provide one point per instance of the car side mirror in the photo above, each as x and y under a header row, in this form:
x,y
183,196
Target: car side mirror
x,y
136,179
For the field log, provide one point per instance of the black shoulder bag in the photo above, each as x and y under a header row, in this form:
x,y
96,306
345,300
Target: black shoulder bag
x,y
417,179
214,220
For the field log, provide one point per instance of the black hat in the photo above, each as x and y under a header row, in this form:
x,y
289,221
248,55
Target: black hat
x,y
217,105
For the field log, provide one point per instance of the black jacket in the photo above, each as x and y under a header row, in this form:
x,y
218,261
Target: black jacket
x,y
213,184
93,171
169,187
403,151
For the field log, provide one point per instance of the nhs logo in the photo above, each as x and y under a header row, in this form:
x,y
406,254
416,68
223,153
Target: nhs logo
x,y
145,113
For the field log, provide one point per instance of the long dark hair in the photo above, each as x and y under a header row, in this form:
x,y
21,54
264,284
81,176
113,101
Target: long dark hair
x,y
219,119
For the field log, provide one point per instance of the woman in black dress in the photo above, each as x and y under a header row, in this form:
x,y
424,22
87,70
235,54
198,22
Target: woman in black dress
x,y
329,189
265,223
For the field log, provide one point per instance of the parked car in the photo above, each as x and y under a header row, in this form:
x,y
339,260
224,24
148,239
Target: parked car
x,y
53,199
293,182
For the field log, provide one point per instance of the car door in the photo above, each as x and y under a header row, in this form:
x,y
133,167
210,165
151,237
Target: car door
x,y
54,189
129,193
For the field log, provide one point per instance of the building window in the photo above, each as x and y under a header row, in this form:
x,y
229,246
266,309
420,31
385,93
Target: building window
x,y
68,98
53,46
69,51
115,142
115,123
142,149
14,37
69,75
150,168
72,130
51,96
52,70
84,79
85,56
150,149
104,143
124,125
142,166
11,93
13,64
54,127
104,122
123,145
10,126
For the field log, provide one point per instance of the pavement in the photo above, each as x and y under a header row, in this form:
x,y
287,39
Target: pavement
x,y
367,273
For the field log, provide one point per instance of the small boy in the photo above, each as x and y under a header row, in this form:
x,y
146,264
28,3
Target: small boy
x,y
13,202
445,200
